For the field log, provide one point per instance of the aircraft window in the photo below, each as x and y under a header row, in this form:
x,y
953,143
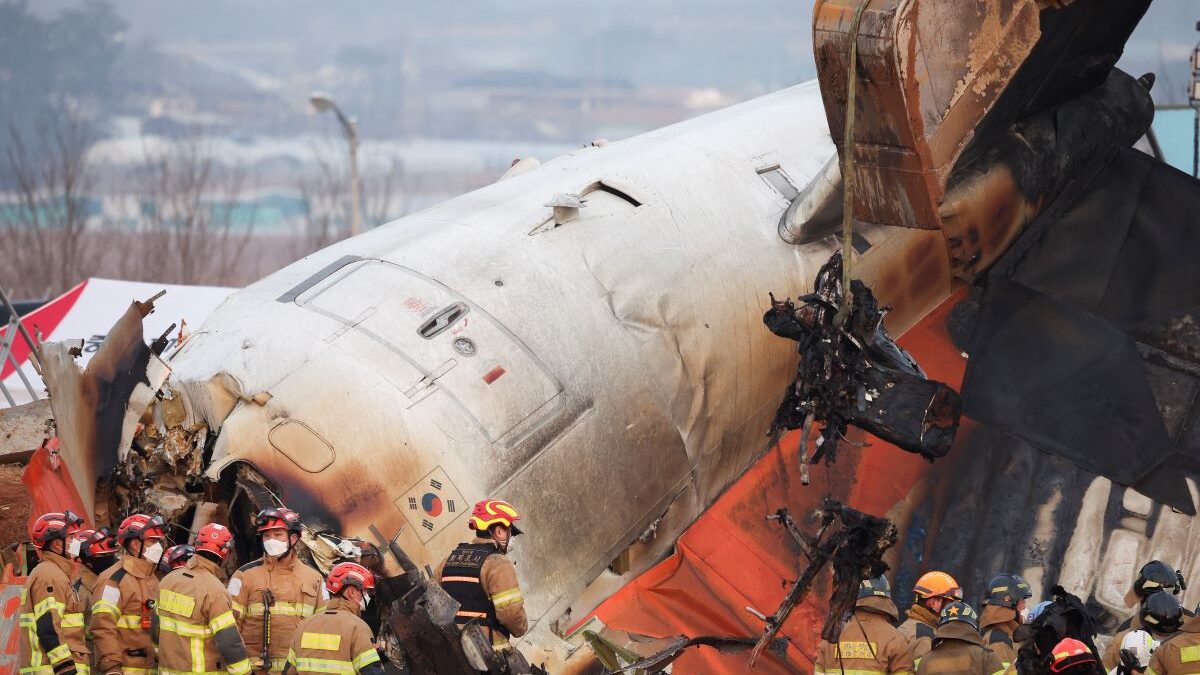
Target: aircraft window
x,y
777,179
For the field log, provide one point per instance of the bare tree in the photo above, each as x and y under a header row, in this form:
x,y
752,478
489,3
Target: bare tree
x,y
326,193
195,224
43,222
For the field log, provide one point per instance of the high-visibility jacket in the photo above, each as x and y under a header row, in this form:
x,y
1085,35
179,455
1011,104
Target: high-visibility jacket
x,y
51,622
334,641
918,629
121,616
1178,654
296,591
868,645
958,650
997,625
484,582
195,631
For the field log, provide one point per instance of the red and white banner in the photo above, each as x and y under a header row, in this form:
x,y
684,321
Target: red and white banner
x,y
89,310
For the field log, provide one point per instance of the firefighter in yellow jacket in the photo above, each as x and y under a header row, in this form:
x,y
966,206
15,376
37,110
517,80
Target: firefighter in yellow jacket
x,y
194,631
932,592
51,628
274,593
336,640
1179,655
482,579
123,600
869,643
1002,610
958,647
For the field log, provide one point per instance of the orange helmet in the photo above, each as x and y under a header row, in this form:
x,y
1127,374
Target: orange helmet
x,y
54,525
214,538
937,585
349,574
491,512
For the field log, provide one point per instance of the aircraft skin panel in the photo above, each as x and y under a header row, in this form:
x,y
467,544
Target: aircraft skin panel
x,y
645,318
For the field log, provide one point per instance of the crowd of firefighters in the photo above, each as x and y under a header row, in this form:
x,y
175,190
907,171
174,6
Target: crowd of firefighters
x,y
124,604
943,635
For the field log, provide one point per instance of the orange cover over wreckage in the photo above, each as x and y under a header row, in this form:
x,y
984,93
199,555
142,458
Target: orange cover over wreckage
x,y
733,557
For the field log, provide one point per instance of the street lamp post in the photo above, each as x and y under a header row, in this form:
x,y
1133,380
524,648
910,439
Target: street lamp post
x,y
322,102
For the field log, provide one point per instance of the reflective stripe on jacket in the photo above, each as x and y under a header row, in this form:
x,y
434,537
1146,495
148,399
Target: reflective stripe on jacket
x,y
297,592
334,641
868,645
51,626
121,616
197,634
1180,653
484,582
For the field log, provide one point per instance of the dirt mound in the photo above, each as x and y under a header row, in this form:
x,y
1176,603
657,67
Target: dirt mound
x,y
14,506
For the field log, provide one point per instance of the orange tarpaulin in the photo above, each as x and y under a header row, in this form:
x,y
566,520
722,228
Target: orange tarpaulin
x,y
733,557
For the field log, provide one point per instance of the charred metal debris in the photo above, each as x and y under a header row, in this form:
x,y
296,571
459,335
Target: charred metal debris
x,y
856,374
850,541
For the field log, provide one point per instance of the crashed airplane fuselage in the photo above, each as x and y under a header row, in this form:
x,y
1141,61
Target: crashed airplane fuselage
x,y
607,372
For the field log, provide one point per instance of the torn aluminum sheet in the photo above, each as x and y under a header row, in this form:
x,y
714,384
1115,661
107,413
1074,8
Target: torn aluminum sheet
x,y
857,374
98,410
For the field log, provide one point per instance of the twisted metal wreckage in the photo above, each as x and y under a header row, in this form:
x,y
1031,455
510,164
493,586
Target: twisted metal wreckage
x,y
488,346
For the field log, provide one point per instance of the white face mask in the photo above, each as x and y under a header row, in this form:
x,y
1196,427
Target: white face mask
x,y
153,552
274,547
73,547
362,603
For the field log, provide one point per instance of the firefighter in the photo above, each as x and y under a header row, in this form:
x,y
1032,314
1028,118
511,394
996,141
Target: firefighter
x,y
1003,608
1181,654
958,647
869,643
122,602
175,557
51,622
1136,649
483,579
1161,615
932,592
1154,577
337,640
97,552
274,593
195,633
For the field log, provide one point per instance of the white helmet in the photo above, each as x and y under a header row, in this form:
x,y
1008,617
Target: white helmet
x,y
1140,645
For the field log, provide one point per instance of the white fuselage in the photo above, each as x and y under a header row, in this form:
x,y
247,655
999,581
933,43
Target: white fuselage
x,y
607,375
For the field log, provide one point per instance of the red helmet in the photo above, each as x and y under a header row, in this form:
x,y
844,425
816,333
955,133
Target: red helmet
x,y
55,525
97,543
141,526
278,518
214,538
1069,653
491,512
349,574
177,556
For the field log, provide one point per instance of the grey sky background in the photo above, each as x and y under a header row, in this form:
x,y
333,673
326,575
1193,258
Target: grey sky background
x,y
747,44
